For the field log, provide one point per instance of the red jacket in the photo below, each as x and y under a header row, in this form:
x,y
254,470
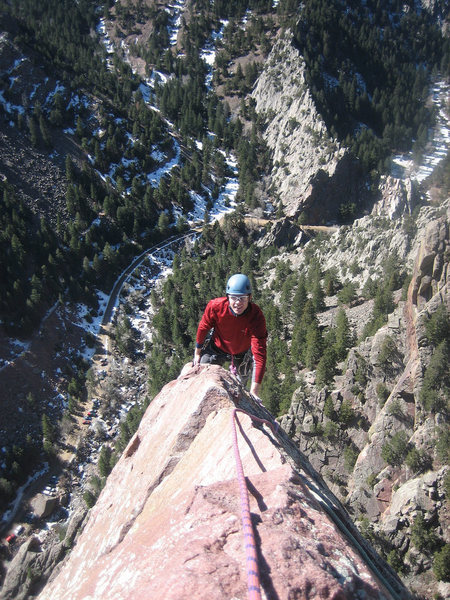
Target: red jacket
x,y
235,334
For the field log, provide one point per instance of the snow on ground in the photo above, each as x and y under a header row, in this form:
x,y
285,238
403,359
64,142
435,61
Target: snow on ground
x,y
176,11
404,166
91,322
8,514
144,279
15,348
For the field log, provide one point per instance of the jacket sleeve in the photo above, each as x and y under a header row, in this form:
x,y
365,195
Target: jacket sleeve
x,y
259,347
207,322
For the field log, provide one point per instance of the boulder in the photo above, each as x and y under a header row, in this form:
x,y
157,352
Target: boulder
x,y
43,505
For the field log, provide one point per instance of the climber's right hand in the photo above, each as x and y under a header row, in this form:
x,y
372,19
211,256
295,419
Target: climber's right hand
x,y
197,356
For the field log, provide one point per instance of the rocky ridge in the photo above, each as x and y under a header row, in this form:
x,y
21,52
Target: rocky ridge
x,y
367,257
146,535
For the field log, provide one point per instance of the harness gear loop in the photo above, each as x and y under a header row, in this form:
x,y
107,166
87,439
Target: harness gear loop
x,y
242,370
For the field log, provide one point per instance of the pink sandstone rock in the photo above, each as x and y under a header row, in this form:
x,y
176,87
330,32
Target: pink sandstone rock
x,y
167,525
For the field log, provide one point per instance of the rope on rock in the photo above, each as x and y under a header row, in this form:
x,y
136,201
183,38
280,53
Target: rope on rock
x,y
253,582
253,585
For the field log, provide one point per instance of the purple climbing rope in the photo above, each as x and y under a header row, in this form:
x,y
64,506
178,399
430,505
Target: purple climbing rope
x,y
253,585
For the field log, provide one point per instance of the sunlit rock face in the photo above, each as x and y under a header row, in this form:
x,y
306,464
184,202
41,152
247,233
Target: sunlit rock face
x,y
311,172
167,525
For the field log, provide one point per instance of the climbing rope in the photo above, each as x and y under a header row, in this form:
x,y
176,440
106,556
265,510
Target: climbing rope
x,y
253,583
253,587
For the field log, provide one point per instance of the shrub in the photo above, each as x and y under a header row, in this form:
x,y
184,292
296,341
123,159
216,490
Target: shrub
x,y
326,368
331,431
6,490
328,409
394,451
89,498
346,413
418,460
422,536
104,461
395,409
361,372
441,564
409,226
396,561
366,529
370,289
317,429
49,449
355,269
447,485
431,399
382,393
96,484
372,480
350,456
436,381
405,287
438,326
347,294
355,389
388,352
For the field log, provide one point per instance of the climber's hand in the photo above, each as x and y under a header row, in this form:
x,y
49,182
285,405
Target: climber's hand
x,y
197,356
254,389
256,399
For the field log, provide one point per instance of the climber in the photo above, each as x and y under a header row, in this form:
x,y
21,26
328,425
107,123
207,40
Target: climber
x,y
238,335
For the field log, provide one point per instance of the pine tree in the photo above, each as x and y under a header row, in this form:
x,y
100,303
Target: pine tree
x,y
313,345
33,130
105,461
318,297
326,367
343,335
45,133
163,223
300,298
48,430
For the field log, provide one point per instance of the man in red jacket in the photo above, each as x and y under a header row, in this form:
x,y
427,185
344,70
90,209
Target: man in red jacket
x,y
239,332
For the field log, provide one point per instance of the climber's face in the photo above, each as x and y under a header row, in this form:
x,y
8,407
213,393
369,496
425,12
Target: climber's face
x,y
238,304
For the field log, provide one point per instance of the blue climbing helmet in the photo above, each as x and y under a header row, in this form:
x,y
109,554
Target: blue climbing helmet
x,y
239,285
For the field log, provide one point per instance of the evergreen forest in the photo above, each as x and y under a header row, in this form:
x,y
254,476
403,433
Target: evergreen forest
x,y
393,48
368,66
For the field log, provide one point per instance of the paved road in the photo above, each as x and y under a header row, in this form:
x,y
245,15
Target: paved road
x,y
107,316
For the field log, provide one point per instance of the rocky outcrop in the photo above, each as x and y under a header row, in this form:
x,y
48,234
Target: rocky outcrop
x,y
168,523
381,381
35,562
311,171
285,233
431,268
397,197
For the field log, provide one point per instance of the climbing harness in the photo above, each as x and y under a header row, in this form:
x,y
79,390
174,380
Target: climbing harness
x,y
242,370
253,582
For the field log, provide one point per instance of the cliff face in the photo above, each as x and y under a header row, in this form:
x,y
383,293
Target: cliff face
x,y
168,523
311,171
388,495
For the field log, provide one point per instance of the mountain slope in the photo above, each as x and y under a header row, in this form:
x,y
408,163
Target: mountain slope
x,y
136,143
